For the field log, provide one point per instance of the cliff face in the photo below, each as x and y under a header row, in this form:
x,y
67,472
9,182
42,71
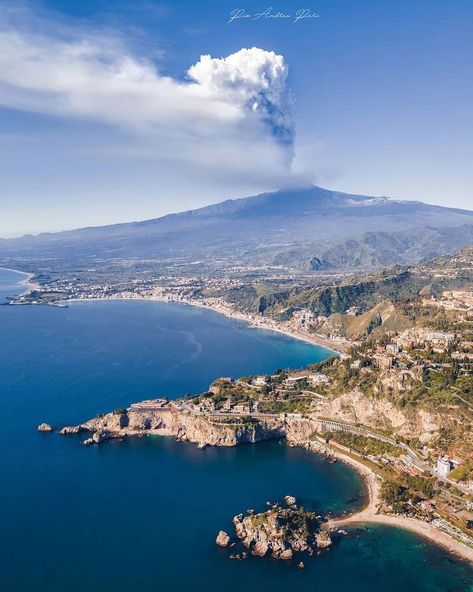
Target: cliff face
x,y
299,430
382,414
353,407
185,426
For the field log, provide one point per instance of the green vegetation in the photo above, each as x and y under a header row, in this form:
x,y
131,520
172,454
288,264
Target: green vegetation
x,y
293,522
395,495
405,490
363,444
464,472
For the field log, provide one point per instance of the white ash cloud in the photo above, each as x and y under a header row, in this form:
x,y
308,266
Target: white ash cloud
x,y
233,105
223,128
255,80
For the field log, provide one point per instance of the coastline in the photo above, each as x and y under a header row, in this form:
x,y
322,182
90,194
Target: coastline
x,y
269,325
330,345
25,282
370,514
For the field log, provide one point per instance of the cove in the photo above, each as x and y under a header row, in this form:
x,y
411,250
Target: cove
x,y
143,514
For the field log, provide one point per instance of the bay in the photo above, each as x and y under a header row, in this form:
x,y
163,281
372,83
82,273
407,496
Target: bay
x,y
143,514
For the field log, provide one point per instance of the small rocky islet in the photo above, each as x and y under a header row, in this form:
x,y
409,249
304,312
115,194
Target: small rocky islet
x,y
279,532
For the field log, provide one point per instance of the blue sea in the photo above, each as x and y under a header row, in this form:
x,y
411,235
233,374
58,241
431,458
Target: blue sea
x,y
142,515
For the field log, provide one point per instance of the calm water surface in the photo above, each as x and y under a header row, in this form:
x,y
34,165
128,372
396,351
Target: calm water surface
x,y
143,515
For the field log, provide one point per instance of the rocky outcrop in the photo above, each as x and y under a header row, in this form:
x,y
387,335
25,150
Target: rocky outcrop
x,y
323,540
44,427
290,501
69,430
281,532
182,425
223,540
382,414
100,436
178,420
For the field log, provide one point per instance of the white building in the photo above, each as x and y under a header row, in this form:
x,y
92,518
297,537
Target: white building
x,y
294,380
319,378
444,466
259,380
440,337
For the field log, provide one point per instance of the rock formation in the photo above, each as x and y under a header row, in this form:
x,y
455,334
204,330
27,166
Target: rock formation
x,y
223,540
45,427
68,430
281,532
180,424
290,500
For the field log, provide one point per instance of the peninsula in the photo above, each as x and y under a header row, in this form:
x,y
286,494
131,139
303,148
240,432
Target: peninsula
x,y
216,418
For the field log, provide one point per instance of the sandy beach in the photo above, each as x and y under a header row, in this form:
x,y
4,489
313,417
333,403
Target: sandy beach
x,y
30,286
370,514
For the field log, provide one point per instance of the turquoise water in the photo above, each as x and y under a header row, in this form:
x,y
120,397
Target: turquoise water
x,y
143,514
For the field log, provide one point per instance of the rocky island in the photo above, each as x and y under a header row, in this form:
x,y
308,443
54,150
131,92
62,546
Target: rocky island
x,y
281,532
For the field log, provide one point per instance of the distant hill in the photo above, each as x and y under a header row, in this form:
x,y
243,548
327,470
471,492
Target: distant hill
x,y
297,229
378,296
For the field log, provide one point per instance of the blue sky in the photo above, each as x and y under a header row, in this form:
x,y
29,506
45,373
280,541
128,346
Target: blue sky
x,y
102,121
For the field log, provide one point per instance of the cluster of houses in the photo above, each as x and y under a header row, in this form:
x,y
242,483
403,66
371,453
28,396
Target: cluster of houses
x,y
460,300
385,356
314,379
207,405
305,318
439,341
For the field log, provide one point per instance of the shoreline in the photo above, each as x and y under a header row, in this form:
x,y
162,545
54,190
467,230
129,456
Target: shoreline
x,y
369,514
326,343
329,344
30,286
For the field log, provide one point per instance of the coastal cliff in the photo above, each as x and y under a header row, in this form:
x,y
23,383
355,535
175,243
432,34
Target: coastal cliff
x,y
181,425
380,413
177,421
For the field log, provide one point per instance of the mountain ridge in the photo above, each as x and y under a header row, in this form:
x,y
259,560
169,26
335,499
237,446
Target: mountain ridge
x,y
265,230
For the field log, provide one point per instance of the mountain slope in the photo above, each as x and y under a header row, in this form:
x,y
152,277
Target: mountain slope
x,y
303,229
